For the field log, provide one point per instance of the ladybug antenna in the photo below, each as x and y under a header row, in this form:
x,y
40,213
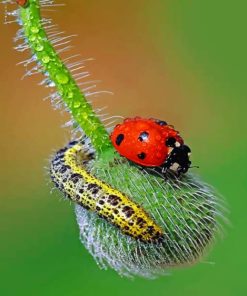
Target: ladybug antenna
x,y
194,166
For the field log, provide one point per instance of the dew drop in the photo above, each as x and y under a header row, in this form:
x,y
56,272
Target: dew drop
x,y
46,59
70,95
34,29
32,37
77,104
39,47
85,115
62,78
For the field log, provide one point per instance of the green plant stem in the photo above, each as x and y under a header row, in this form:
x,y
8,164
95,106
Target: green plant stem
x,y
67,88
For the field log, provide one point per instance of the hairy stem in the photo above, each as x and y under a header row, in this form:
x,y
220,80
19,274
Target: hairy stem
x,y
68,90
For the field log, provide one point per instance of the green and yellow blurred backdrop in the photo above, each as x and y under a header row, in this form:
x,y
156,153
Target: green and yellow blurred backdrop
x,y
182,61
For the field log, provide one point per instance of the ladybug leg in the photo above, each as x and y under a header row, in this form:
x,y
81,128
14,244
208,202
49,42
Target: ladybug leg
x,y
164,170
182,170
164,173
166,166
171,159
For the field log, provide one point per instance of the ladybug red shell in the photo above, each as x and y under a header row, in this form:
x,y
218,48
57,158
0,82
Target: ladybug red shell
x,y
151,143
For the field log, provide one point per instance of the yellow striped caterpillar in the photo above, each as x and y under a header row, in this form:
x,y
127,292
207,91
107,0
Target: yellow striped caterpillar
x,y
70,174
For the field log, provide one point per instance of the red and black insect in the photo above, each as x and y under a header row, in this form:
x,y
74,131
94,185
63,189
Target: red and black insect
x,y
151,143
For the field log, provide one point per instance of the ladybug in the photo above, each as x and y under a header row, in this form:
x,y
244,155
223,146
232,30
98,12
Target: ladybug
x,y
151,143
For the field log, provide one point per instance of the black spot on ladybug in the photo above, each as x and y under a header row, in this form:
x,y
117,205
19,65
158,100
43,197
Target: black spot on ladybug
x,y
161,122
119,139
170,142
143,136
141,155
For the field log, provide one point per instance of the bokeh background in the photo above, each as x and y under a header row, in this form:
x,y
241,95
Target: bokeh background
x,y
181,61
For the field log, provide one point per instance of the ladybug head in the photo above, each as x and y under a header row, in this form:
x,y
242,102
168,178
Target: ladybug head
x,y
178,160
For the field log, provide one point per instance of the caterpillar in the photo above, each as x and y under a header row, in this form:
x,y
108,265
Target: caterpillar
x,y
130,219
70,174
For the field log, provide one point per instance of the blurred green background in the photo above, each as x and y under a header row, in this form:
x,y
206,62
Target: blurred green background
x,y
182,61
